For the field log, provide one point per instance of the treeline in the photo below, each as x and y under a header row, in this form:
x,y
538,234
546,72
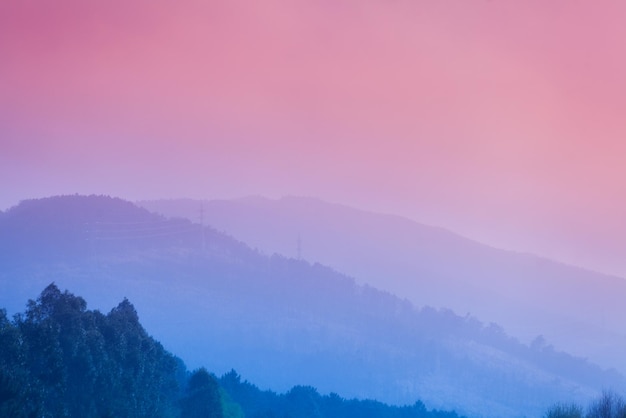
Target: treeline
x,y
306,402
58,359
609,405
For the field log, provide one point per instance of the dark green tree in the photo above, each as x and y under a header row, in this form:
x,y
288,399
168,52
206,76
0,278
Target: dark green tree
x,y
16,399
59,359
202,399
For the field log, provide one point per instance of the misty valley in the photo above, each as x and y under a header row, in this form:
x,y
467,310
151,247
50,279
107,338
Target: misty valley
x,y
287,309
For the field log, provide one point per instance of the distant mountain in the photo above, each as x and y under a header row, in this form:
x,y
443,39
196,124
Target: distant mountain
x,y
281,322
580,311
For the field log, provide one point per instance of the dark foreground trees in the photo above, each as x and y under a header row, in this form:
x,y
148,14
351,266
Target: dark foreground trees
x,y
609,405
306,402
59,359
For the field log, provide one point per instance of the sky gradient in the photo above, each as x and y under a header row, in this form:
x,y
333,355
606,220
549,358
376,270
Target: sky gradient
x,y
504,121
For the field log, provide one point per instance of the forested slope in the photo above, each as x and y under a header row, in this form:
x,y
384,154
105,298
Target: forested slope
x,y
59,359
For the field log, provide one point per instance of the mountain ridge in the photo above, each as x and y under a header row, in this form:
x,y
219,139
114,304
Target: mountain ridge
x,y
528,294
284,321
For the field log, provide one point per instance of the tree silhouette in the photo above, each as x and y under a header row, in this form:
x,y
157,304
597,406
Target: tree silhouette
x,y
609,405
202,398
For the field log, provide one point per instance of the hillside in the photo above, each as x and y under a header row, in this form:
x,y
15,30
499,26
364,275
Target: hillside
x,y
577,310
60,359
281,322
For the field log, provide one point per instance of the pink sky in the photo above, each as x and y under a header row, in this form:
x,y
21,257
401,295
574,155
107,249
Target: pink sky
x,y
502,120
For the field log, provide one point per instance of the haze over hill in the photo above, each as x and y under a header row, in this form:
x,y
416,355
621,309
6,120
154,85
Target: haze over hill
x,y
280,321
503,120
59,359
580,311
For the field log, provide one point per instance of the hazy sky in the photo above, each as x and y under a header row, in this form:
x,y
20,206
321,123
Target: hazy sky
x,y
502,120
